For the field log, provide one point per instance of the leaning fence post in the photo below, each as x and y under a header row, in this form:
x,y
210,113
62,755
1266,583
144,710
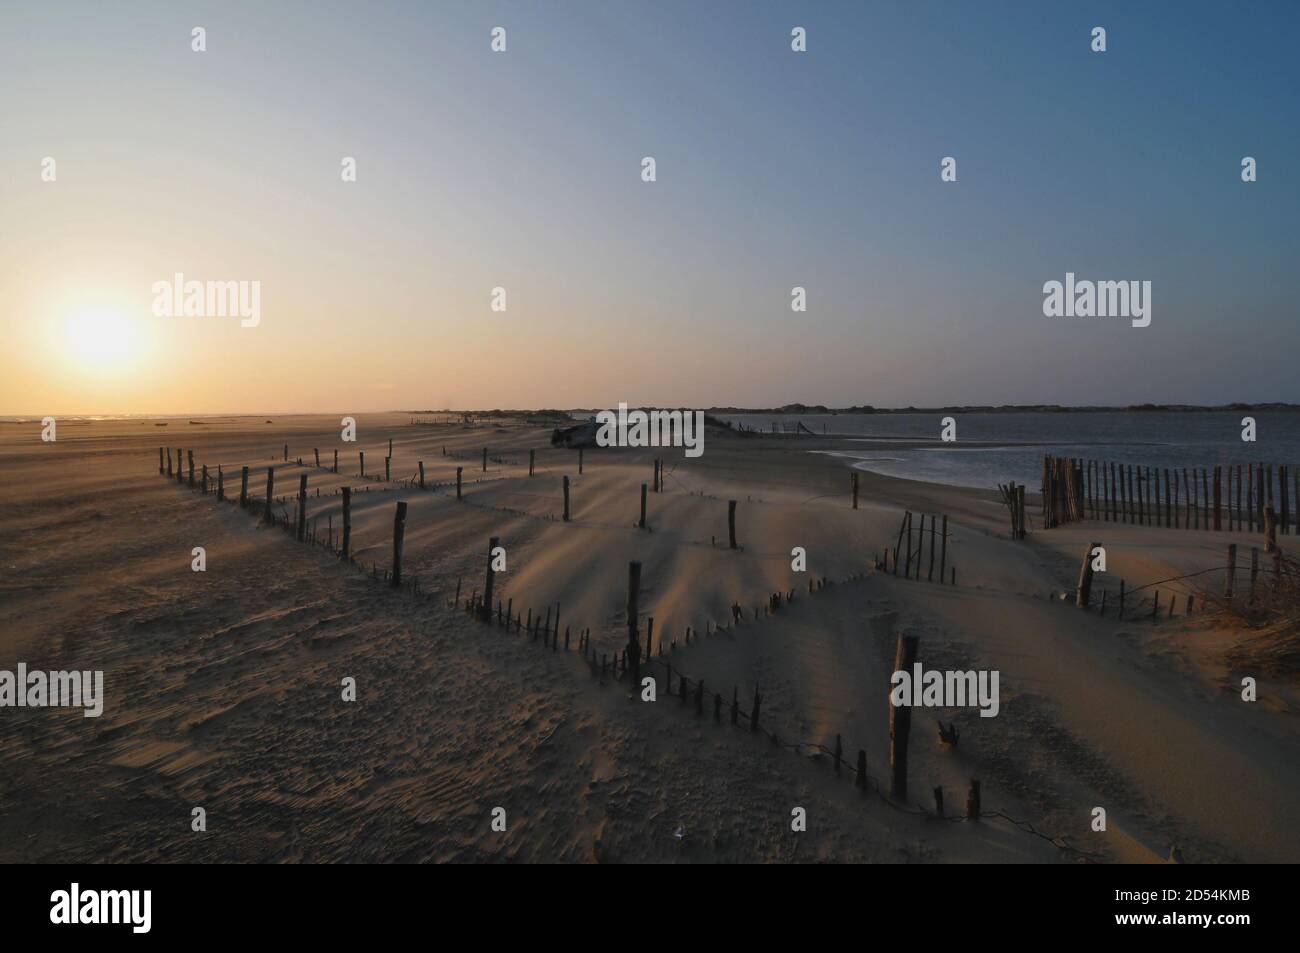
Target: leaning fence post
x,y
900,718
302,506
491,578
566,499
421,474
1084,590
731,522
316,450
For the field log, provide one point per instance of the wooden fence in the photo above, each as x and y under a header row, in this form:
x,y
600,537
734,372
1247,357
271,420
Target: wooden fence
x,y
1256,497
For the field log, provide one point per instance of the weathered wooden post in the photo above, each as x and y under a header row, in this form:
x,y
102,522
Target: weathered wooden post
x,y
532,458
336,461
566,499
641,523
180,465
1270,528
243,488
388,469
853,481
189,454
286,453
1122,592
943,540
390,446
161,467
399,532
458,472
421,474
973,801
731,522
485,459
1230,580
316,450
346,551
362,455
221,485
489,582
930,575
302,506
204,480
900,718
579,461
1218,499
270,491
1084,590
633,609
735,699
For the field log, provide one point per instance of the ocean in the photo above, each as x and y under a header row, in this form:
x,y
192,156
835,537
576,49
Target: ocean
x,y
1172,439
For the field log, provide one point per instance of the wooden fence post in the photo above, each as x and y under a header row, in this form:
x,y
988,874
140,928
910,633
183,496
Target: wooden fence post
x,y
302,506
1270,529
566,499
388,469
361,454
532,459
203,483
161,468
399,532
270,490
1084,590
243,488
286,453
336,461
633,610
485,459
900,718
316,450
458,471
731,522
221,484
943,541
579,461
853,477
641,523
1230,581
346,552
753,715
490,581
190,457
421,474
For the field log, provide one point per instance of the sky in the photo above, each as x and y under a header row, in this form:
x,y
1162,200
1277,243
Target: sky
x,y
522,170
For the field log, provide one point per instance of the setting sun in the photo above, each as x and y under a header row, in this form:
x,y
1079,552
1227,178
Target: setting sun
x,y
101,339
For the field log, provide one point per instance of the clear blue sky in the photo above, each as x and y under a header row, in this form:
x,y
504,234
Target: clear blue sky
x,y
775,169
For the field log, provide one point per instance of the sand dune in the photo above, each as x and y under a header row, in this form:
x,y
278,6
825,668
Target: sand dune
x,y
224,686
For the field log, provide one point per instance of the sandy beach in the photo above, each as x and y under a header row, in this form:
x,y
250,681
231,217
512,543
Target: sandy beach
x,y
223,687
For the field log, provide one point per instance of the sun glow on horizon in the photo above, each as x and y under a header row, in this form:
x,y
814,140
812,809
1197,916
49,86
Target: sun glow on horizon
x,y
101,339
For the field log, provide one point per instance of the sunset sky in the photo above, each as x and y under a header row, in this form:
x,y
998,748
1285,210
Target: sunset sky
x,y
522,170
